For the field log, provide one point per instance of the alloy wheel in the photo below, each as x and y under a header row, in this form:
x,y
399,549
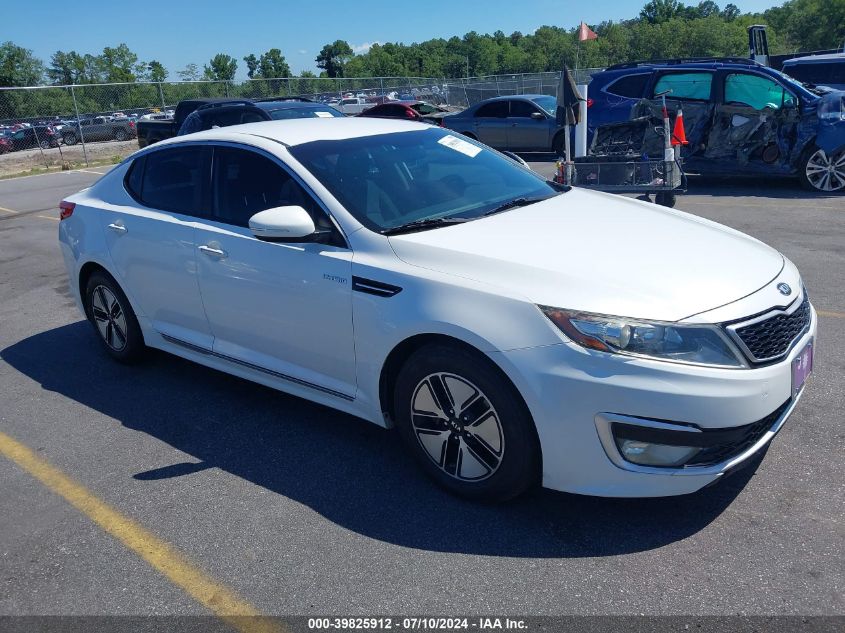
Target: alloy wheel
x,y
109,318
457,427
824,172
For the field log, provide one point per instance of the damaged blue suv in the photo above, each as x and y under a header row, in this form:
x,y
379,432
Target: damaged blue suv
x,y
741,117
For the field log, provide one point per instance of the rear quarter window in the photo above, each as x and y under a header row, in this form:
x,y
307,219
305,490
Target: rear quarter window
x,y
632,86
134,178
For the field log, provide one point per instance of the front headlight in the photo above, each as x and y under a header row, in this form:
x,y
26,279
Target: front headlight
x,y
698,344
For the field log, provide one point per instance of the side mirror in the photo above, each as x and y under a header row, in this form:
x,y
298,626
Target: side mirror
x,y
538,116
284,224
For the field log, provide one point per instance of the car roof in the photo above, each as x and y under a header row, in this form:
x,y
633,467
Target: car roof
x,y
289,105
506,97
293,132
809,59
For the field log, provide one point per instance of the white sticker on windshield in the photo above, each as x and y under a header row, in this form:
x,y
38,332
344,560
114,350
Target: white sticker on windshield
x,y
323,115
458,145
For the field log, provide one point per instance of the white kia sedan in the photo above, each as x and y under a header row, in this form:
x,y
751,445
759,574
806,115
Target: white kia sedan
x,y
513,330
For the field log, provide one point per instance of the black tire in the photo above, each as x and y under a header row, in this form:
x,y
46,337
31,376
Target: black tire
x,y
45,144
69,139
120,135
810,154
495,410
118,332
665,198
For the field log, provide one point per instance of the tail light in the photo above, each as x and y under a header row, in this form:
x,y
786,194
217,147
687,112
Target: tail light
x,y
66,209
131,123
590,102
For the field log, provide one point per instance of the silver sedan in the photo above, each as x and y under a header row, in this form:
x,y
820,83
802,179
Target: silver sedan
x,y
523,123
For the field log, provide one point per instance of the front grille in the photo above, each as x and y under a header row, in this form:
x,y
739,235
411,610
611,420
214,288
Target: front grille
x,y
735,441
771,338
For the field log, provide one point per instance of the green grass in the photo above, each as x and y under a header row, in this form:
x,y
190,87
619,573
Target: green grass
x,y
103,162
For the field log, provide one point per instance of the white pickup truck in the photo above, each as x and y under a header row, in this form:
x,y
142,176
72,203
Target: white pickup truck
x,y
354,105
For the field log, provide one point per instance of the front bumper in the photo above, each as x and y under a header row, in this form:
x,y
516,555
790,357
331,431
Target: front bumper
x,y
576,395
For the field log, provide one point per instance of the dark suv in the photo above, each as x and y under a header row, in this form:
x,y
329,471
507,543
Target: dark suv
x,y
35,136
224,114
740,117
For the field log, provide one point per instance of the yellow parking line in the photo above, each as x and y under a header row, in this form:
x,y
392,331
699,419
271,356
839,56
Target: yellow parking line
x,y
47,217
828,313
7,210
164,558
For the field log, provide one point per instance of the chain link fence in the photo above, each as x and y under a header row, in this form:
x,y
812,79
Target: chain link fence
x,y
81,125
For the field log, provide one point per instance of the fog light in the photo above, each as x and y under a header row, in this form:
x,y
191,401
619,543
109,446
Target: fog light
x,y
650,454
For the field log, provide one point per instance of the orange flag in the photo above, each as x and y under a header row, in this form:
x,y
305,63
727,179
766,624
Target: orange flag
x,y
585,33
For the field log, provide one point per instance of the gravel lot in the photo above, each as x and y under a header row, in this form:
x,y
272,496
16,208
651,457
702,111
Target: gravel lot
x,y
302,510
26,160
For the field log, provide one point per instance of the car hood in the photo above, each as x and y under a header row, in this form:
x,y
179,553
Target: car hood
x,y
600,253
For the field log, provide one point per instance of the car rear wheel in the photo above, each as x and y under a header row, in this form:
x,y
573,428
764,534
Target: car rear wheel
x,y
69,139
120,135
821,171
466,424
45,144
112,316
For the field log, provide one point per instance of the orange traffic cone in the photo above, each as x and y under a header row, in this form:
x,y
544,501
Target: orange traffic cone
x,y
679,136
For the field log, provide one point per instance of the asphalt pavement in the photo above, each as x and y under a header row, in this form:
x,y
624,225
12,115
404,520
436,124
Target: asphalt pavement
x,y
302,510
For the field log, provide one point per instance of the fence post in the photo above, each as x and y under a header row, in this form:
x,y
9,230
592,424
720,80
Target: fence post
x,y
40,149
161,94
79,125
381,85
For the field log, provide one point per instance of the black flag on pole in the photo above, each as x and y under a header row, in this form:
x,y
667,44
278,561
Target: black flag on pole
x,y
568,110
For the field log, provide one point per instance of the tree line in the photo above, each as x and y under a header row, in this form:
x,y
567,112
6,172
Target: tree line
x,y
663,29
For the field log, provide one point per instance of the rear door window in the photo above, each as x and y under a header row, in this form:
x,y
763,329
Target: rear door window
x,y
495,110
177,180
756,92
692,86
631,86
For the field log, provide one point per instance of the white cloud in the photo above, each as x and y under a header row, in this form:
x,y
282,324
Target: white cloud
x,y
302,51
366,46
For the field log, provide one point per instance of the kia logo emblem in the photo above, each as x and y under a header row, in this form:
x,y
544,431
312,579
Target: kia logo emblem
x,y
784,289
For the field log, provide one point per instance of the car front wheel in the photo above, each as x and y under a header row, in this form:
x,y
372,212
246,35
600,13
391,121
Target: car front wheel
x,y
466,424
821,171
109,312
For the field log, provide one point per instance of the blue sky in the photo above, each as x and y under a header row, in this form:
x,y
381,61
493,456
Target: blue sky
x,y
179,32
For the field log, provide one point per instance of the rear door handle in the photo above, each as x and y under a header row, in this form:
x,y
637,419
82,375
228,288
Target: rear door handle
x,y
117,227
212,251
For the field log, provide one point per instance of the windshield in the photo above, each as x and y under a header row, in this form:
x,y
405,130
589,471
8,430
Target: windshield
x,y
800,87
549,104
390,180
304,113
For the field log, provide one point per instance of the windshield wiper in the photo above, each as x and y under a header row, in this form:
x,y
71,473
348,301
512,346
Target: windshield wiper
x,y
513,204
423,224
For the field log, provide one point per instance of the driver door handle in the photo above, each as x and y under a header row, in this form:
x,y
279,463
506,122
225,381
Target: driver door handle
x,y
117,227
212,250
